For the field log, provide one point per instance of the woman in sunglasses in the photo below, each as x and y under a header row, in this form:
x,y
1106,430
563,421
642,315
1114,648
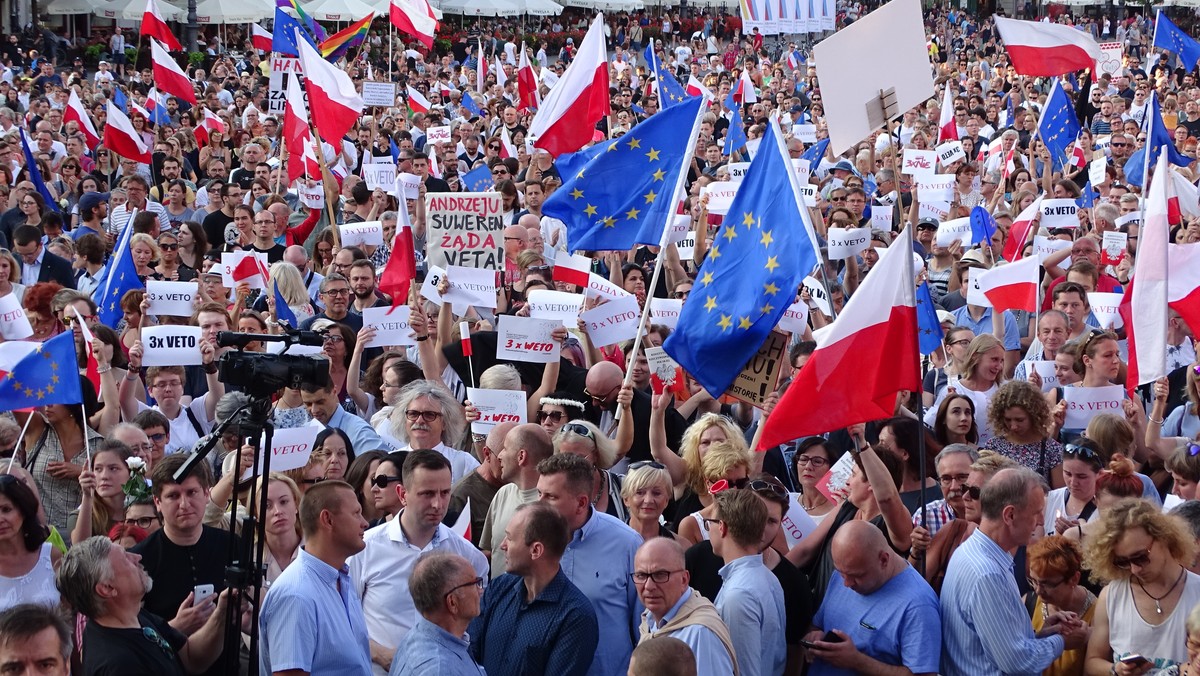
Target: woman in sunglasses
x,y
584,439
557,410
726,465
1141,553
1075,503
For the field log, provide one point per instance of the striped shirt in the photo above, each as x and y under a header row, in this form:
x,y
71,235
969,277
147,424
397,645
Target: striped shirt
x,y
120,216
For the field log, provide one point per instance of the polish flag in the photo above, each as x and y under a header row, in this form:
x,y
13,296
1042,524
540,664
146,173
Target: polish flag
x,y
1184,284
415,17
295,129
1184,199
527,87
1047,49
1077,159
867,356
507,147
501,76
213,122
465,329
743,90
434,169
252,270
1012,286
261,38
401,268
93,366
697,88
572,269
569,114
481,69
947,127
75,111
1144,307
312,166
154,26
332,100
168,76
462,526
1010,164
418,103
121,138
1022,230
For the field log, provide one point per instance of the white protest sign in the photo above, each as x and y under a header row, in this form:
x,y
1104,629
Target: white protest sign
x,y
231,259
1097,170
496,407
1044,246
1134,218
940,188
381,94
1107,308
407,185
311,196
379,175
560,306
1084,403
720,196
937,210
737,171
437,135
662,369
818,295
975,295
1060,213
465,229
797,524
950,152
470,286
803,169
809,192
1112,247
291,447
612,322
14,324
665,311
805,132
846,242
881,218
681,227
956,229
1112,57
170,299
795,318
171,345
920,164
391,326
837,477
1045,369
599,287
526,339
368,232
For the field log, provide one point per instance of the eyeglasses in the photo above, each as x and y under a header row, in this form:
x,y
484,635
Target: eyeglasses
x,y
427,416
337,292
158,437
576,428
960,341
142,521
597,400
383,481
333,338
705,523
646,463
477,583
1081,451
971,491
493,147
1140,559
815,461
1118,145
659,576
70,319
758,486
499,172
552,416
1035,583
949,479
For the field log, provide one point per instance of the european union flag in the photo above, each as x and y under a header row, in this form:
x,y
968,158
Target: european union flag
x,y
394,150
670,91
48,375
983,226
122,277
1059,126
1088,198
284,33
735,136
1158,139
760,255
157,110
814,153
283,312
469,104
35,175
1168,36
478,180
120,100
622,196
929,329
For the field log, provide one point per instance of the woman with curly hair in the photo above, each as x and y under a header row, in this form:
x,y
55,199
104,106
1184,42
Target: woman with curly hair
x,y
1141,552
1022,422
979,378
726,465
686,469
1055,572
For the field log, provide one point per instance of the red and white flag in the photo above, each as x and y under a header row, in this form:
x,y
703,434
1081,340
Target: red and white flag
x,y
696,88
507,147
527,86
154,26
867,356
462,525
465,329
572,269
501,76
295,129
252,270
213,122
1013,286
261,38
569,114
417,102
401,268
481,69
168,76
93,366
1144,307
1184,286
1042,49
332,99
74,110
1021,231
1184,199
1077,159
947,127
415,17
121,138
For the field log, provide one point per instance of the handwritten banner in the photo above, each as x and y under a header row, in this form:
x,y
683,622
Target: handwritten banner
x,y
435,135
171,345
612,322
170,299
758,377
526,339
465,229
496,407
1085,403
391,326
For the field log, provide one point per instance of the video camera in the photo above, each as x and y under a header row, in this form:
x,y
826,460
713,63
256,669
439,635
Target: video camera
x,y
260,374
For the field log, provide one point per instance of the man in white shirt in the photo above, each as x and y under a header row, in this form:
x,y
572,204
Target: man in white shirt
x,y
429,418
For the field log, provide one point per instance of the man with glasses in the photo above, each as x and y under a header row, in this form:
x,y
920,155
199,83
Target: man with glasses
x,y
136,439
137,188
602,387
188,423
447,594
953,466
380,572
264,237
335,294
674,609
433,419
158,431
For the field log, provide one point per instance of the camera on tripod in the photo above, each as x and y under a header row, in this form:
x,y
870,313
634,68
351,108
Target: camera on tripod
x,y
261,375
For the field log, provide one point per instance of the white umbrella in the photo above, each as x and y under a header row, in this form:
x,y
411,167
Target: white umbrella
x,y
540,7
346,11
232,11
608,5
63,7
482,7
132,10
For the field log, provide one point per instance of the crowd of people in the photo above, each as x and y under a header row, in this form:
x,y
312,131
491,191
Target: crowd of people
x,y
625,528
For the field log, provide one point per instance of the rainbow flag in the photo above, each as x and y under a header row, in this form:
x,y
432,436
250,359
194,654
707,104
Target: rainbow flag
x,y
346,39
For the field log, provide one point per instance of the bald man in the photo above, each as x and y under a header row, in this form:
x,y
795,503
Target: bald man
x,y
662,656
674,609
523,448
298,256
603,385
883,612
516,239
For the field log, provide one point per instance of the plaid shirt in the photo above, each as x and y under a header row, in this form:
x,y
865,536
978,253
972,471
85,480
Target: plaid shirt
x,y
937,515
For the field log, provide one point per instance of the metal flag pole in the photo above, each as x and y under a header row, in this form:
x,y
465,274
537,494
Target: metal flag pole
x,y
17,447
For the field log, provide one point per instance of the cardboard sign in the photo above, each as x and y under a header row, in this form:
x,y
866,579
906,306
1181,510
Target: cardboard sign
x,y
311,196
1097,171
612,322
1044,246
1060,213
663,369
758,377
975,295
935,209
797,524
407,185
1106,307
281,69
795,318
805,132
737,171
1112,247
939,188
14,324
1085,403
229,261
291,447
957,229
170,299
720,196
599,287
526,339
368,232
920,164
665,311
1045,369
496,407
382,94
391,326
820,298
950,152
379,175
846,242
560,306
171,345
465,229
435,135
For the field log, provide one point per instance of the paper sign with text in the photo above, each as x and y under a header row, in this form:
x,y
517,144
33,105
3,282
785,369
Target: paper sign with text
x,y
599,287
470,286
846,242
797,524
737,171
171,345
429,288
681,228
437,135
808,191
1060,213
14,324
1135,218
950,152
805,132
1112,247
820,299
391,327
975,295
1045,369
355,234
612,322
557,305
663,369
939,188
1085,403
803,169
312,196
920,164
956,229
881,218
379,175
465,229
935,209
291,447
665,311
758,377
381,94
496,407
526,339
1045,246
170,299
720,196
1097,171
1106,307
408,185
795,318
229,261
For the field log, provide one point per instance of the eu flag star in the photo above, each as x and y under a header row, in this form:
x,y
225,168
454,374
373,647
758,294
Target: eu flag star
x,y
711,303
650,197
748,219
766,309
635,143
767,239
770,289
54,378
632,214
744,323
590,210
715,253
608,221
772,263
725,323
16,385
658,175
653,155
730,233
707,278
576,193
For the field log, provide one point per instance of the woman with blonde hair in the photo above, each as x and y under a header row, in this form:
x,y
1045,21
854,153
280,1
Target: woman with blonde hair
x,y
686,470
282,527
145,251
726,465
290,283
1141,553
1114,434
582,438
980,377
646,490
1022,421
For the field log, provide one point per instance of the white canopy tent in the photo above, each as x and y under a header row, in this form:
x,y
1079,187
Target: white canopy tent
x,y
132,10
482,7
66,7
346,11
540,7
608,5
232,11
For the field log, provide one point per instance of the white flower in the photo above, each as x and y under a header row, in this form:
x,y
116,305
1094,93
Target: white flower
x,y
135,464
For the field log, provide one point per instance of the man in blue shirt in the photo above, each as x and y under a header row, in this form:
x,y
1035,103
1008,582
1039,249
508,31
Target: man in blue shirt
x,y
311,620
532,619
446,590
322,404
598,559
884,612
751,600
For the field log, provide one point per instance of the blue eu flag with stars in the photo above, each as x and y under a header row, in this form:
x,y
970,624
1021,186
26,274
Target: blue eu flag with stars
x,y
622,195
122,277
735,136
1168,36
1059,126
814,153
48,375
478,180
929,329
469,104
756,263
35,176
670,91
1158,139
